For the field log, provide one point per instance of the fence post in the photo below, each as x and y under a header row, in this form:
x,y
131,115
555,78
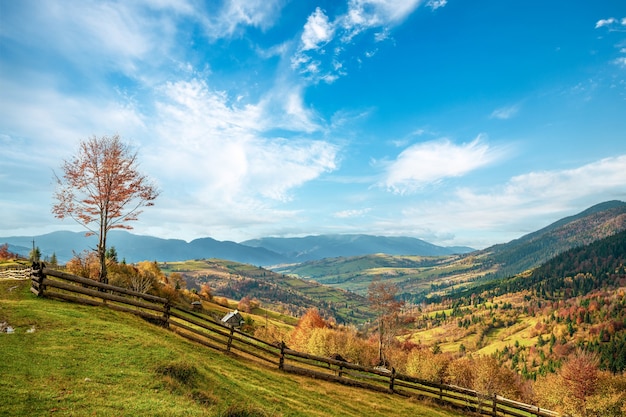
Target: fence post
x,y
392,379
230,339
166,314
37,276
495,405
281,360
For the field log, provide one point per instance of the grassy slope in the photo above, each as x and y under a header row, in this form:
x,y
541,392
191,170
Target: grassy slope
x,y
223,274
93,361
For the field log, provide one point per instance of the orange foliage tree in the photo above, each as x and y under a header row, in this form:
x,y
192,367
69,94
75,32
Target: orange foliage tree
x,y
5,253
382,298
101,189
302,332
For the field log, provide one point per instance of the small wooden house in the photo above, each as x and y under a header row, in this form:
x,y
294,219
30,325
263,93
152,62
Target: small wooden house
x,y
233,319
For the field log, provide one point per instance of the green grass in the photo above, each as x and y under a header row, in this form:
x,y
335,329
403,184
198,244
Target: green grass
x,y
83,360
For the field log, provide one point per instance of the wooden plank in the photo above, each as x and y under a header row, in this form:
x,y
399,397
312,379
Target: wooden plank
x,y
423,388
246,342
329,377
198,332
525,407
197,340
34,291
335,362
96,303
99,294
203,325
92,283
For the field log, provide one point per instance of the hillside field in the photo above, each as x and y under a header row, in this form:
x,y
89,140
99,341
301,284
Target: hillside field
x,y
66,359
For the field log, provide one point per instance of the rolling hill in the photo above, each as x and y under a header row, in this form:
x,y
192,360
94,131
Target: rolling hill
x,y
68,359
430,278
276,291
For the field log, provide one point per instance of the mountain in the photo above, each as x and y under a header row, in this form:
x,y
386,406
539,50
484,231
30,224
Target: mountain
x,y
533,249
265,251
420,279
510,258
136,248
302,249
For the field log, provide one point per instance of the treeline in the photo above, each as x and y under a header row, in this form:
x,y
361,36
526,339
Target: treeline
x,y
576,272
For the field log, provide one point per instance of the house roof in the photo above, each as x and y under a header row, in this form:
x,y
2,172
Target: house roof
x,y
233,318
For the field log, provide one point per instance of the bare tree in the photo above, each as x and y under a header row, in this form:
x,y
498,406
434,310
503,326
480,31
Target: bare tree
x,y
101,189
382,298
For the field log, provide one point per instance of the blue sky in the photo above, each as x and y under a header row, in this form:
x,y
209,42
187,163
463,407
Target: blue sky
x,y
458,122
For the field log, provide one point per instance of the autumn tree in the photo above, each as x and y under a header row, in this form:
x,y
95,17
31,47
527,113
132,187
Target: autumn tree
x,y
302,332
382,298
5,253
101,189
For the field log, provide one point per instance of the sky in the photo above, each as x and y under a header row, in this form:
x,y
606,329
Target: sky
x,y
457,122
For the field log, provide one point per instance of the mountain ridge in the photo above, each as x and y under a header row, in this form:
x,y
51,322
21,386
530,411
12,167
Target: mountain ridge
x,y
135,248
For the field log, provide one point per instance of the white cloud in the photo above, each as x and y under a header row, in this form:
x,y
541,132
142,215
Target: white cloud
x,y
366,14
430,162
313,61
220,147
317,31
436,4
605,22
505,113
522,205
237,14
621,61
347,214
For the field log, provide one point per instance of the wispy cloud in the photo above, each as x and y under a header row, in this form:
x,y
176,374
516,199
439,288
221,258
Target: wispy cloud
x,y
430,162
436,4
323,40
523,204
610,23
347,214
605,22
505,113
204,129
235,15
621,61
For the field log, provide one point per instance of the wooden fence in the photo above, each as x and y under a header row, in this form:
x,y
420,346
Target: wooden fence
x,y
15,273
216,335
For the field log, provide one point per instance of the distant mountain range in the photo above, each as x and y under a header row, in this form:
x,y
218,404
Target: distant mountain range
x,y
531,250
420,279
267,251
302,249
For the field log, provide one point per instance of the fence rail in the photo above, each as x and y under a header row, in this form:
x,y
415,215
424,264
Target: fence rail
x,y
15,273
46,282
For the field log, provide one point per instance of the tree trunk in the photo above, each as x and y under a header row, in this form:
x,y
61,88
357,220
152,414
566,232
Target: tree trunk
x,y
102,248
381,358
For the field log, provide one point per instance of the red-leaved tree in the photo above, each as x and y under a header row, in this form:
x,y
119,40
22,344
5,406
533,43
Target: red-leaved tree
x,y
382,298
102,189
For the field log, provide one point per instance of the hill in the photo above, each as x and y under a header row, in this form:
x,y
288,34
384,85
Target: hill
x,y
431,278
302,249
285,294
67,359
535,248
532,321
